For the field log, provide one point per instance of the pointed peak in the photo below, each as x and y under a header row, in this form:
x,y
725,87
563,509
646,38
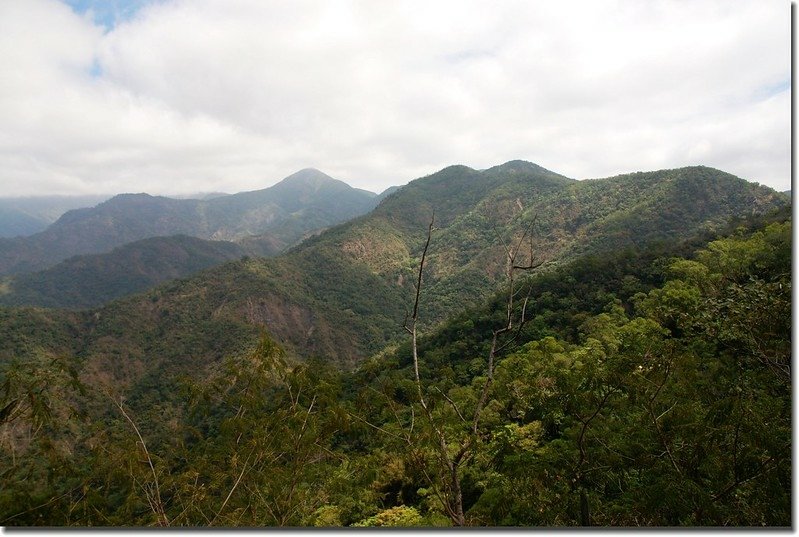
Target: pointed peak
x,y
308,176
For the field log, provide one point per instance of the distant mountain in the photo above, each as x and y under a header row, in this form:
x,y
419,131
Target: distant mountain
x,y
283,214
91,280
14,222
302,202
199,196
28,215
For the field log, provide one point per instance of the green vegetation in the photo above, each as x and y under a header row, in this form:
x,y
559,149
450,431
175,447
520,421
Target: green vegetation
x,y
648,384
671,406
92,280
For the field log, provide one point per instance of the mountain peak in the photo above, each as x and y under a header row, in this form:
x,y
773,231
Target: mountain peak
x,y
310,181
518,166
308,176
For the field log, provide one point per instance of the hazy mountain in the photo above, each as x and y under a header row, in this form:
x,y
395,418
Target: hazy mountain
x,y
14,222
302,202
92,280
199,196
284,214
28,215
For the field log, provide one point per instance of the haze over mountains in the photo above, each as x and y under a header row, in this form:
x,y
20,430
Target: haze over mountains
x,y
91,280
29,215
282,214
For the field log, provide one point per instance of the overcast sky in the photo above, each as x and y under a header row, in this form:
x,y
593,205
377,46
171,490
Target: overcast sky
x,y
181,96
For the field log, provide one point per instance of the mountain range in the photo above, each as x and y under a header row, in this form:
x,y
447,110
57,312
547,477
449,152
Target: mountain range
x,y
650,384
343,293
279,215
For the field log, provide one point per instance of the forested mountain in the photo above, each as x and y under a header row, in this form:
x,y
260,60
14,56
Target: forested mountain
x,y
302,203
475,212
28,215
92,280
647,385
643,390
313,299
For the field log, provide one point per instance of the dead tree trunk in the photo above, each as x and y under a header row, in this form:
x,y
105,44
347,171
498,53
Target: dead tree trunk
x,y
514,321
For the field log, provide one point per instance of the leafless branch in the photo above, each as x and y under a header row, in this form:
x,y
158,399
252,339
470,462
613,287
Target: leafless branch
x,y
654,418
452,463
452,403
376,427
232,489
157,506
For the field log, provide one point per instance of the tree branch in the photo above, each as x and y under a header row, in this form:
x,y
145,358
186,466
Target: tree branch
x,y
158,507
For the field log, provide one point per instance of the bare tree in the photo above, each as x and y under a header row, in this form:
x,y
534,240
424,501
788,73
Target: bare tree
x,y
453,451
152,491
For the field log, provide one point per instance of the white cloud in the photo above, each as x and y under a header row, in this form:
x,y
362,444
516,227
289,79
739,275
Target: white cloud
x,y
231,95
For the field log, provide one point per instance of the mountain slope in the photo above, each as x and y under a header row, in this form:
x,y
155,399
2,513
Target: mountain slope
x,y
698,363
28,215
14,223
284,213
92,280
343,295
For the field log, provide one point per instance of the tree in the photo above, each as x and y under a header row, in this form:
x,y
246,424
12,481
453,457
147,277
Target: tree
x,y
257,447
456,433
677,416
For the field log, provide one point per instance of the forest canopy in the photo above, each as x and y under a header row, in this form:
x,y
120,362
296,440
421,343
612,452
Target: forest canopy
x,y
645,389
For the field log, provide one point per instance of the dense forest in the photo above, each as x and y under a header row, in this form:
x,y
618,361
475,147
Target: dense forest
x,y
639,386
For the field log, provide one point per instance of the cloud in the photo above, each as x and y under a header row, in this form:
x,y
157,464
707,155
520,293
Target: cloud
x,y
201,95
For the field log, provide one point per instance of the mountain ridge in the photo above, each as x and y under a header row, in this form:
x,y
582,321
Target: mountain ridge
x,y
27,215
287,211
573,218
343,293
90,280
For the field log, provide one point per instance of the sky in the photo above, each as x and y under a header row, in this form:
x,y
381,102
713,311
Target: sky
x,y
186,96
